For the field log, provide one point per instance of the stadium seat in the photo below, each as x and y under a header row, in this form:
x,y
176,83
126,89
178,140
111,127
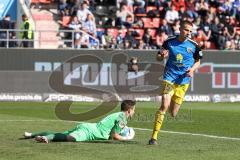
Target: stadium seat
x,y
147,22
34,1
66,20
45,1
114,31
238,30
156,22
153,33
124,31
212,45
141,15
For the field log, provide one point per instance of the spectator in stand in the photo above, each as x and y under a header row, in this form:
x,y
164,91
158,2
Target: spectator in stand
x,y
216,31
206,27
75,7
171,15
129,22
212,13
141,45
6,24
230,25
107,38
182,13
138,23
176,27
178,4
202,39
120,38
83,12
227,7
128,44
119,3
148,39
236,10
190,8
229,45
202,8
237,40
76,26
27,33
221,14
161,37
130,5
139,3
153,3
139,10
165,27
129,40
89,25
63,5
84,41
113,44
122,15
221,41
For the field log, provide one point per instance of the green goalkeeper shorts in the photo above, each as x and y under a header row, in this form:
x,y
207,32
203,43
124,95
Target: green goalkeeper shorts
x,y
84,132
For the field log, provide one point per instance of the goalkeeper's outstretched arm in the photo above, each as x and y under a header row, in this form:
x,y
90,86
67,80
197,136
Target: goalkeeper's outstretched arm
x,y
117,136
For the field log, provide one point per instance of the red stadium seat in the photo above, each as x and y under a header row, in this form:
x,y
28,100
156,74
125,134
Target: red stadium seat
x,y
45,1
147,22
238,30
42,1
156,22
124,31
114,32
34,1
153,33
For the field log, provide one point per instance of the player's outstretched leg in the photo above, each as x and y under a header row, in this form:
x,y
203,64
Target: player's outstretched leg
x,y
56,137
28,135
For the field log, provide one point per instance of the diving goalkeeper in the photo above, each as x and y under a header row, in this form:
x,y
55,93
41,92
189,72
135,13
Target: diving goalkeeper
x,y
109,127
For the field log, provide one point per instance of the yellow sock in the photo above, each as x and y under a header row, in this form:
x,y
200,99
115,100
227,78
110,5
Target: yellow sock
x,y
159,116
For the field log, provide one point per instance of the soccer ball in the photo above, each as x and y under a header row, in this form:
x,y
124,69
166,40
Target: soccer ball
x,y
128,132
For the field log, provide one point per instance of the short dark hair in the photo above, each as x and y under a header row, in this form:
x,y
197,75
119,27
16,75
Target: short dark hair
x,y
127,104
186,22
24,16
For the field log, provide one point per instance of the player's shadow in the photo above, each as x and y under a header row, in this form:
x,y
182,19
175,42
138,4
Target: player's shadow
x,y
112,142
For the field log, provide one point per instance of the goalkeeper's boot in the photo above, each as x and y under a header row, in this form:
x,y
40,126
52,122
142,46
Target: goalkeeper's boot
x,y
27,135
152,141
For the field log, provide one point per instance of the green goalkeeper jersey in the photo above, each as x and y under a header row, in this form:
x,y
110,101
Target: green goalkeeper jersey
x,y
99,131
114,122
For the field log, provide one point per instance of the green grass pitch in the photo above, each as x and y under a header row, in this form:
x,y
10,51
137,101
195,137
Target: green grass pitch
x,y
218,119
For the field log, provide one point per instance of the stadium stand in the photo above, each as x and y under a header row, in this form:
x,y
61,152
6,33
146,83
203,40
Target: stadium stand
x,y
219,21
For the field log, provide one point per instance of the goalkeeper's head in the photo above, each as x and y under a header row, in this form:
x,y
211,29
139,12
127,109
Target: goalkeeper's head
x,y
128,106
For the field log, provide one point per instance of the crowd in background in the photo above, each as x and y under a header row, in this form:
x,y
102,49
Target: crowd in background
x,y
146,24
216,23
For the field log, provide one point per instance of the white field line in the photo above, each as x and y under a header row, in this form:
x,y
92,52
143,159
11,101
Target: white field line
x,y
192,134
141,129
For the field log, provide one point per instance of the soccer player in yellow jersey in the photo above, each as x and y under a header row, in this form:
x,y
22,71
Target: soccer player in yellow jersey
x,y
184,57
